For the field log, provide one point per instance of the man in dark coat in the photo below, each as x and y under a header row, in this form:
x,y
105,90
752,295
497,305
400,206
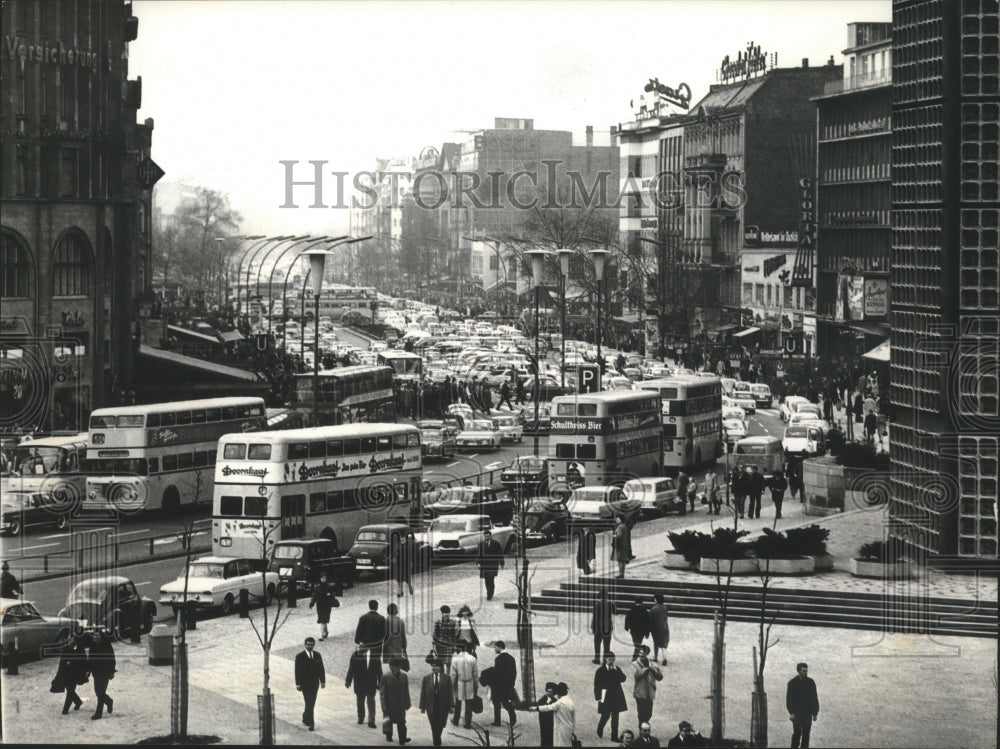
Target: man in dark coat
x,y
72,672
490,561
502,682
802,704
445,637
310,677
435,699
545,719
102,666
738,483
778,485
637,623
364,671
610,696
602,624
586,551
324,599
371,629
394,694
755,490
9,586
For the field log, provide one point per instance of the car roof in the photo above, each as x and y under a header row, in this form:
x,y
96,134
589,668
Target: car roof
x,y
219,560
106,580
303,541
7,602
384,527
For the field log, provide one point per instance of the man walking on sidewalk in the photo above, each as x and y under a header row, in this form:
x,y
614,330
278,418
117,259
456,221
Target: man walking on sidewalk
x,y
310,677
802,704
756,489
365,671
436,699
490,561
395,698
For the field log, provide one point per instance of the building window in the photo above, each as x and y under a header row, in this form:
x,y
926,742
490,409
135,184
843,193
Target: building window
x,y
68,172
759,293
747,293
71,264
21,166
15,269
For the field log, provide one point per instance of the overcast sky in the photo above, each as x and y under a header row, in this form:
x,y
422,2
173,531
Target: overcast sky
x,y
236,86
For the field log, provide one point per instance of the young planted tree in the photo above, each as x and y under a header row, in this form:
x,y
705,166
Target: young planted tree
x,y
758,698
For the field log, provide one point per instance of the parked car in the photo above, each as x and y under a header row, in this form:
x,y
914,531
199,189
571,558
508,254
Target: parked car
x,y
546,520
300,562
790,404
375,544
460,535
543,423
745,400
437,440
657,495
806,411
527,476
110,602
19,511
36,633
803,441
599,505
479,434
480,500
510,426
762,394
215,582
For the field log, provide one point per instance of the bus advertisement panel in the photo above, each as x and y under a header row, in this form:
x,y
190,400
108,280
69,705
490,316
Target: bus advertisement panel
x,y
692,419
604,438
347,395
161,455
318,482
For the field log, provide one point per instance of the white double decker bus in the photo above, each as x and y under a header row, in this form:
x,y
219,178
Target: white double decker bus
x,y
161,455
692,419
322,482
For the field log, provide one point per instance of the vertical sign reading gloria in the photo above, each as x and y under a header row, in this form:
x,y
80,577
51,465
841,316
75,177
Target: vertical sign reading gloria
x,y
802,272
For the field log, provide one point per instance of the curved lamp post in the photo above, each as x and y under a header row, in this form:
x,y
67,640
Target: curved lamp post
x,y
253,257
270,278
263,261
317,263
239,265
599,257
564,258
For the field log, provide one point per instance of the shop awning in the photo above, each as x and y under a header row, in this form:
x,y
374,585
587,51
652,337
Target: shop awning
x,y
748,331
869,328
722,328
880,352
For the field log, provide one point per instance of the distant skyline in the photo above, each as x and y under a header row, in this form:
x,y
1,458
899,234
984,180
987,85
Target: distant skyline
x,y
236,87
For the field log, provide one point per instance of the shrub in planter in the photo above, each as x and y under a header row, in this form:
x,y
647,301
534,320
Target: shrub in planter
x,y
858,455
880,551
774,545
688,544
808,541
724,543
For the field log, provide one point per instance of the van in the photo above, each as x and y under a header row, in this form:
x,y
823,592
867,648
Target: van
x,y
764,451
299,562
761,394
657,494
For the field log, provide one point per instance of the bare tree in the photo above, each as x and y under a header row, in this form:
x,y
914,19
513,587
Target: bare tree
x,y
758,699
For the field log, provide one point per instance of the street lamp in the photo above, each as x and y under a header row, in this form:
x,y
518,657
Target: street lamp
x,y
537,257
564,258
317,261
599,257
239,267
248,259
263,261
270,279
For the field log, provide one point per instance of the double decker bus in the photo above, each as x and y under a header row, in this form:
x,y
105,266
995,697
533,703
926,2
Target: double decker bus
x,y
161,455
692,419
347,395
319,482
406,366
604,438
336,299
41,481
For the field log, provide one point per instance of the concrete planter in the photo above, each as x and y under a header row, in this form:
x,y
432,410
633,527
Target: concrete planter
x,y
799,566
822,562
674,560
721,566
899,570
822,486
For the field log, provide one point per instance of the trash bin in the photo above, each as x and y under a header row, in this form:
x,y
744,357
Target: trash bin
x,y
160,645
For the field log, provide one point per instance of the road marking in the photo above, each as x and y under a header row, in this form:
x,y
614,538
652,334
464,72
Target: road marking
x,y
38,546
493,466
452,465
175,539
145,582
133,533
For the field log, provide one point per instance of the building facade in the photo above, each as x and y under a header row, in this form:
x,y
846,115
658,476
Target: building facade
x,y
76,210
854,196
945,283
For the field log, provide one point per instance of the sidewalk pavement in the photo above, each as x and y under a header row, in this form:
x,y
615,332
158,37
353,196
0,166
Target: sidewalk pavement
x,y
875,689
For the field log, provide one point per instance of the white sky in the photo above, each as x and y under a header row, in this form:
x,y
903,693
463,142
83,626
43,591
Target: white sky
x,y
236,86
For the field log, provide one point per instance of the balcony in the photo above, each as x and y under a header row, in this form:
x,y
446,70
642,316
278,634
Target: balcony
x,y
853,83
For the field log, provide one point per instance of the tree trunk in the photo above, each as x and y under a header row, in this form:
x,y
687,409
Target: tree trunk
x,y
179,690
525,636
758,714
718,680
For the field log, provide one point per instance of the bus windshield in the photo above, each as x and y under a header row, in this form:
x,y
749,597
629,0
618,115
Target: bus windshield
x,y
36,461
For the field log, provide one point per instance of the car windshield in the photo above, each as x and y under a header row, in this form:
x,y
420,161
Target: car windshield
x,y
371,536
89,590
207,569
288,552
795,432
447,526
733,424
432,434
528,465
482,426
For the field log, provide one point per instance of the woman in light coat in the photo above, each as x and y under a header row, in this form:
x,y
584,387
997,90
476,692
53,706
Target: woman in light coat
x,y
465,682
564,725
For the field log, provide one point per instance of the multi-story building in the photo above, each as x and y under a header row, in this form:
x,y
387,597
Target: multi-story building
x,y
945,282
854,196
76,210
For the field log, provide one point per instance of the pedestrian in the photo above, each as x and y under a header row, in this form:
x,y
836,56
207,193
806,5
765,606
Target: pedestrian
x,y
445,636
490,561
712,493
738,482
692,493
610,696
310,677
505,396
778,484
628,738
465,681
621,545
467,631
324,599
519,394
404,561
545,717
9,586
871,427
646,737
755,488
802,704
395,637
686,736
436,698
659,625
394,695
370,631
502,682
602,624
564,714
645,674
586,552
682,486
637,624
71,673
102,666
364,671
795,479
